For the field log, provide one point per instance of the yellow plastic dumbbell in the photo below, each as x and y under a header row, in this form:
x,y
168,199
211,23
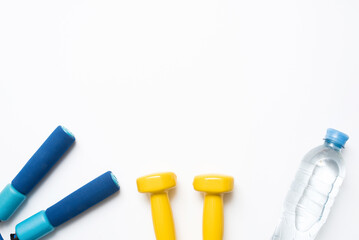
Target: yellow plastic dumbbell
x,y
214,186
158,185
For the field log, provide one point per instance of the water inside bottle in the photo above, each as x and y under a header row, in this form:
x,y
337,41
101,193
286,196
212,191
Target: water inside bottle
x,y
316,197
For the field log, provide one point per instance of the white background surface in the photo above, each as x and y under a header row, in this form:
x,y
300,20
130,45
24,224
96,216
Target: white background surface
x,y
243,88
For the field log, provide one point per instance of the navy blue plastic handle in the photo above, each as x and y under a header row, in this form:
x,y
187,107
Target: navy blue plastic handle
x,y
84,198
43,160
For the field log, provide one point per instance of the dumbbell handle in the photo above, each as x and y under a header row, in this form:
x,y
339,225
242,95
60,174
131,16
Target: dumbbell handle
x,y
213,222
162,217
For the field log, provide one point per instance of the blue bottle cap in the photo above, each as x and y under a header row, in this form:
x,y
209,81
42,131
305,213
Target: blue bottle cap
x,y
1,237
336,137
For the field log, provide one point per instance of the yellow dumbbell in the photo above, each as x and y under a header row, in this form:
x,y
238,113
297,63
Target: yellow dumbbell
x,y
158,185
214,186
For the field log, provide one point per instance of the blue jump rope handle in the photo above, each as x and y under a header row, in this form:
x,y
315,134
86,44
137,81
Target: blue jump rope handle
x,y
36,168
43,160
45,222
84,198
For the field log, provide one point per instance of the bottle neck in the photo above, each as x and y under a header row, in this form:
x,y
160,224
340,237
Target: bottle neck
x,y
333,146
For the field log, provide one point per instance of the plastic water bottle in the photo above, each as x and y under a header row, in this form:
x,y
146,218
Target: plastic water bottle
x,y
313,191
